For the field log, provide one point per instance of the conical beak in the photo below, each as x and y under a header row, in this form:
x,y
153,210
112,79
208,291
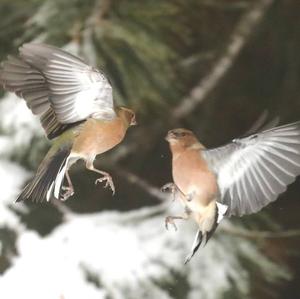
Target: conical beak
x,y
169,136
133,122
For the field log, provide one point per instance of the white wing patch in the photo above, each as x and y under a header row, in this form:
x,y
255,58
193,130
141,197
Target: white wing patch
x,y
222,209
49,192
59,179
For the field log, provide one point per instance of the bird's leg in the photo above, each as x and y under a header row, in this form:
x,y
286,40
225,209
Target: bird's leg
x,y
106,177
69,190
170,219
172,188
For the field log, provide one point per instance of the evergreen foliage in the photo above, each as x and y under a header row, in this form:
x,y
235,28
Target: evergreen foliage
x,y
154,52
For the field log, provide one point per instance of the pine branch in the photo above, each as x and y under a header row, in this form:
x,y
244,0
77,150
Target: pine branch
x,y
243,233
144,185
254,234
100,11
237,41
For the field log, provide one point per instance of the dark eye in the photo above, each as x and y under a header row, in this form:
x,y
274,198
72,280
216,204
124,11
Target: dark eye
x,y
180,134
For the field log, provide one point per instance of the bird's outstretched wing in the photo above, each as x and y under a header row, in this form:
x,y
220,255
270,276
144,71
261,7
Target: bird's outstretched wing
x,y
253,171
57,85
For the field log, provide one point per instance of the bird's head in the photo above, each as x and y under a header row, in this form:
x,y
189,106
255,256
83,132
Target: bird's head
x,y
127,115
182,138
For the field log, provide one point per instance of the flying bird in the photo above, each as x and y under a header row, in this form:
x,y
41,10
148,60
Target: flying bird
x,y
76,109
238,178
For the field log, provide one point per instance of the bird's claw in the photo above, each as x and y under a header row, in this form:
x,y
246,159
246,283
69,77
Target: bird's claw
x,y
170,187
108,182
68,192
170,220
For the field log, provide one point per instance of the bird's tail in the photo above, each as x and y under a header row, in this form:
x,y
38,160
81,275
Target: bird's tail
x,y
49,177
207,229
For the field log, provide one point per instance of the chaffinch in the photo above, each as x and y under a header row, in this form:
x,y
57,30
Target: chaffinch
x,y
76,109
235,179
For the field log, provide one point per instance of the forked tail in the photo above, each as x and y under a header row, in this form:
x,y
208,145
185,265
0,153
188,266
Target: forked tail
x,y
48,180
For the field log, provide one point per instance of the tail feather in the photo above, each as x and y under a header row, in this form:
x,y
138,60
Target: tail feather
x,y
48,180
200,239
203,236
196,244
59,180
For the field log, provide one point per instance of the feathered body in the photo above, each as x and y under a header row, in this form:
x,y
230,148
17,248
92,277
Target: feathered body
x,y
238,178
98,136
196,183
76,110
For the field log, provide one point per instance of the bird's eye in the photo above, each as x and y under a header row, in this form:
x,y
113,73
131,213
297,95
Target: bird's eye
x,y
180,134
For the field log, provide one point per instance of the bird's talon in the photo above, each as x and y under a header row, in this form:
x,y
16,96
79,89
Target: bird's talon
x,y
169,187
100,180
108,182
163,189
68,193
170,220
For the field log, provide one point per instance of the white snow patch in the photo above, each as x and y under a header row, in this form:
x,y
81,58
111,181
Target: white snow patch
x,y
127,253
17,122
18,126
12,179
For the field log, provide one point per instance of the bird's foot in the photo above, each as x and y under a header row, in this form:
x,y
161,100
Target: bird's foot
x,y
108,182
170,220
170,187
68,192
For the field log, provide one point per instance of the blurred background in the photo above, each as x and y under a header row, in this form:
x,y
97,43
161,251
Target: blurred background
x,y
212,66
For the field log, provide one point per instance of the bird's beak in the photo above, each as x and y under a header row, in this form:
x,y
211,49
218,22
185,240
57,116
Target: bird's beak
x,y
134,123
170,136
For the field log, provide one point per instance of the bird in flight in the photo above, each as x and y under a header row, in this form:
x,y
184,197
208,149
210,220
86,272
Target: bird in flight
x,y
238,178
76,109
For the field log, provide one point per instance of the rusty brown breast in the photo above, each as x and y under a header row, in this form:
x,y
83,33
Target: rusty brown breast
x,y
99,136
192,175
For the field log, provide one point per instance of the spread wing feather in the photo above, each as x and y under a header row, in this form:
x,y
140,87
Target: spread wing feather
x,y
253,171
57,84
